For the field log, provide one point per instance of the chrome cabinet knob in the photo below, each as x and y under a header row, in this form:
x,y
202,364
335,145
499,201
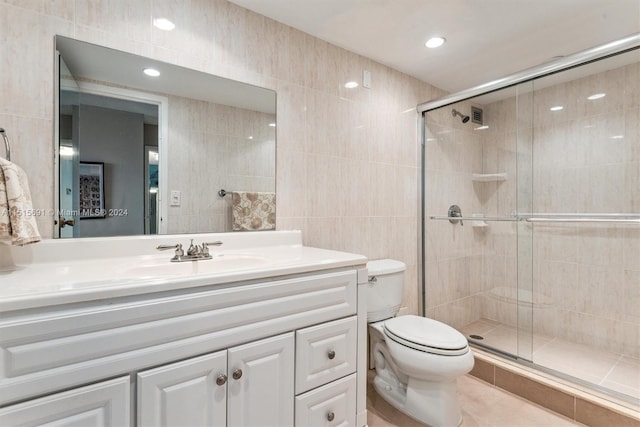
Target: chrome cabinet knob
x,y
237,374
221,380
331,355
330,416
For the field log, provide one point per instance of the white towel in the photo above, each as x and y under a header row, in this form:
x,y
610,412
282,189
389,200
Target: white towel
x,y
17,221
253,211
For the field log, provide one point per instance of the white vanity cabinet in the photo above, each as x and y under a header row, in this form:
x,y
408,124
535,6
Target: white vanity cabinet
x,y
247,385
279,351
97,405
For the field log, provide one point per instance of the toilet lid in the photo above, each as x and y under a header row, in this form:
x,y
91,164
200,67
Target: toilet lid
x,y
426,335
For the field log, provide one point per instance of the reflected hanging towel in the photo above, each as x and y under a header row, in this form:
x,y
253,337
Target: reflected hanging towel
x,y
253,211
17,220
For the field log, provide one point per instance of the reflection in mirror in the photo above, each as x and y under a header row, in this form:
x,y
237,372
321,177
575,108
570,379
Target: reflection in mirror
x,y
168,143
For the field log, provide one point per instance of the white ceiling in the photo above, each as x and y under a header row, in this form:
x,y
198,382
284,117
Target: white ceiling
x,y
102,64
486,39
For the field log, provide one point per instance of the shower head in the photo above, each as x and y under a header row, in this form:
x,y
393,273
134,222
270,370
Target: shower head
x,y
464,118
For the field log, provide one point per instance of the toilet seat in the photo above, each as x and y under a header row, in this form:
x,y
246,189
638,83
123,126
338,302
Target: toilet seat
x,y
427,335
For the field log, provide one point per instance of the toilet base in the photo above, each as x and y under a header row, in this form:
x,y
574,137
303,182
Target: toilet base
x,y
432,403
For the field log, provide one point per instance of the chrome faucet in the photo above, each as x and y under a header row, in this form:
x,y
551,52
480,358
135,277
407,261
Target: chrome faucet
x,y
194,252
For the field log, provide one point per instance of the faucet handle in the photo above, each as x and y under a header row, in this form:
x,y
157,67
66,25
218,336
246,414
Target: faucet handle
x,y
167,247
178,247
205,246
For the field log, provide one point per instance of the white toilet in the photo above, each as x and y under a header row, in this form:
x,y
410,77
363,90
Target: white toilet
x,y
417,360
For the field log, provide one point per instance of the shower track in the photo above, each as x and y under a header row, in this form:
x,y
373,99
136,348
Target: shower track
x,y
623,218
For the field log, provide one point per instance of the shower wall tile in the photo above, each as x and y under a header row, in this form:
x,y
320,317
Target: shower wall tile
x,y
453,254
630,298
631,185
457,313
631,249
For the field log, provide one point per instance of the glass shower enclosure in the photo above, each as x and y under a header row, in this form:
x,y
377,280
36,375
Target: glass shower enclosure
x,y
531,216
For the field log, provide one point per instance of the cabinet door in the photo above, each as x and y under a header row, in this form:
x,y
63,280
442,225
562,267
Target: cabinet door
x,y
101,405
261,383
188,393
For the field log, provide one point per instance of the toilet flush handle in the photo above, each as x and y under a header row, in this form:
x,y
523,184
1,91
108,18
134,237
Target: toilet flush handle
x,y
373,280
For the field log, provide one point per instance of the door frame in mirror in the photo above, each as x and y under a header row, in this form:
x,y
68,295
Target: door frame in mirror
x,y
162,104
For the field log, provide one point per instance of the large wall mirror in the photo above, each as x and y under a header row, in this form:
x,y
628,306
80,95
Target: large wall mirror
x,y
149,154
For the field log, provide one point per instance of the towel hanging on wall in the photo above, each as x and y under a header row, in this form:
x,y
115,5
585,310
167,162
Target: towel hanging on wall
x,y
253,211
17,222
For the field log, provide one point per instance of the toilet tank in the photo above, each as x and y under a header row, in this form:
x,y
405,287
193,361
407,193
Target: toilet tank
x,y
384,291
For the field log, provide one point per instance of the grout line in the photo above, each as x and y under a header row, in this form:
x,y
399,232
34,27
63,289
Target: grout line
x,y
610,370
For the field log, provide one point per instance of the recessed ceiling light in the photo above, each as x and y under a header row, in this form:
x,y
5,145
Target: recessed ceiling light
x,y
164,24
596,96
617,137
351,85
556,108
272,125
482,127
151,72
435,42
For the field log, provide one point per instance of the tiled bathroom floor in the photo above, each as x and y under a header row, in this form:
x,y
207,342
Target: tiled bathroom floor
x,y
613,371
482,406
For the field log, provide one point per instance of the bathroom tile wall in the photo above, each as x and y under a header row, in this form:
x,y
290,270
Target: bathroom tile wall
x,y
210,150
453,253
347,160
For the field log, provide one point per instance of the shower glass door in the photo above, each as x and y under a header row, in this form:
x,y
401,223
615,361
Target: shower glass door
x,y
586,229
478,275
532,222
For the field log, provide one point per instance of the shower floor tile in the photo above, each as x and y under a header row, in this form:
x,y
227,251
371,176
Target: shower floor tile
x,y
502,337
613,371
577,360
624,377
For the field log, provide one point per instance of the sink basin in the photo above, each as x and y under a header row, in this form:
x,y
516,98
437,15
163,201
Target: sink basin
x,y
218,264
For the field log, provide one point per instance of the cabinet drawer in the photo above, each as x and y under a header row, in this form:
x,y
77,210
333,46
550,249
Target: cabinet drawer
x,y
325,352
331,405
106,404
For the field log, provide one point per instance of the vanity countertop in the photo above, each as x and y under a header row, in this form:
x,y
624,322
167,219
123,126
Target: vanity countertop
x,y
42,276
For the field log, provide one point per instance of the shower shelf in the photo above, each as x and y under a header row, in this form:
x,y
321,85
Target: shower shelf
x,y
489,177
479,223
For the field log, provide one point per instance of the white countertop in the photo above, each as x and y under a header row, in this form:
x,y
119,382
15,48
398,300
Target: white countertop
x,y
69,271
